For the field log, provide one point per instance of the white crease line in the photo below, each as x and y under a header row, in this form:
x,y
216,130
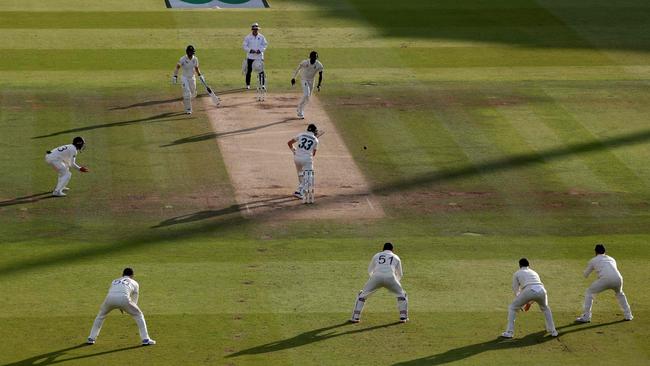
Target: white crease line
x,y
370,204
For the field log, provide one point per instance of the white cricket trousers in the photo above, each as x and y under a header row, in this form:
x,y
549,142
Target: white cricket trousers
x,y
302,163
189,91
535,293
307,89
602,284
377,281
62,169
122,302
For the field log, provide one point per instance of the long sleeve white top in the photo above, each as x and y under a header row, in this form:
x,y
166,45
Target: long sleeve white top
x,y
604,265
255,43
125,286
66,154
385,263
523,278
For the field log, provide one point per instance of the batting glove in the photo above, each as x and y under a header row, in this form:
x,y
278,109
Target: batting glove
x,y
293,82
174,79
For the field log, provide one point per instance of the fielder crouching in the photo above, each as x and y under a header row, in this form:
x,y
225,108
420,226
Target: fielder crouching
x,y
385,270
61,159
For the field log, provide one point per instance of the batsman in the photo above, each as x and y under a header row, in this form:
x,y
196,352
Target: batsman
x,y
303,156
190,64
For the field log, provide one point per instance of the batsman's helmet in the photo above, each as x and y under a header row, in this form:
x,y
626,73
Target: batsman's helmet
x,y
127,272
523,262
78,142
312,128
313,55
600,249
388,246
190,50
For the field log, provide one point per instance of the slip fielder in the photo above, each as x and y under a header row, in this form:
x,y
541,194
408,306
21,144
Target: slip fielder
x,y
61,159
189,63
123,295
307,70
385,270
527,287
609,278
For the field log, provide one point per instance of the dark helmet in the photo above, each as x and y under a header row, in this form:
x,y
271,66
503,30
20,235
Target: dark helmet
x,y
190,50
312,128
313,55
388,246
78,142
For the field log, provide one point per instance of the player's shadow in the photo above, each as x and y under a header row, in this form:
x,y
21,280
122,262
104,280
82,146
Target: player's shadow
x,y
213,135
27,199
162,117
209,214
54,357
533,339
147,103
305,338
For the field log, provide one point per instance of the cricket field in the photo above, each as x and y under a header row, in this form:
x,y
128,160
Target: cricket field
x,y
483,131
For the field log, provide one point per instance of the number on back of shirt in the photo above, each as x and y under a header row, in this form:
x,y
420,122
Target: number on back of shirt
x,y
382,259
305,143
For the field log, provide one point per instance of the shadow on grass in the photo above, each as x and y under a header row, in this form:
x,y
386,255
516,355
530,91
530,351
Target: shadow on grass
x,y
212,135
208,214
162,117
305,338
228,219
52,358
533,339
149,103
27,199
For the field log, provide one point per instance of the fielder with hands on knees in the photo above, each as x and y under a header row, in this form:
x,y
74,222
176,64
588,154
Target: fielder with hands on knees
x,y
254,44
61,159
385,270
609,278
307,70
190,64
303,155
123,295
528,287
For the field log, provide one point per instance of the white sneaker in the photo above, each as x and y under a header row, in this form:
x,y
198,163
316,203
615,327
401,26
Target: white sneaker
x,y
188,111
148,342
628,317
297,194
58,194
507,335
90,341
354,321
403,320
300,115
248,87
554,333
583,319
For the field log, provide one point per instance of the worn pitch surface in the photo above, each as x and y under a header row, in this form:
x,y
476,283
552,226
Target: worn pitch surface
x,y
253,137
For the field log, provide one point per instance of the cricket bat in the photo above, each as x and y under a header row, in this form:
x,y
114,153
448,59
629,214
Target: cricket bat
x,y
320,133
215,99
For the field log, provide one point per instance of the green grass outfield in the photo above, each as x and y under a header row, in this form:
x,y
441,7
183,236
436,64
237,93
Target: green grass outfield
x,y
494,130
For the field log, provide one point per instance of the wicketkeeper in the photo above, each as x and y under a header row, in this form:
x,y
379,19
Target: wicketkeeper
x,y
528,287
123,295
61,159
385,270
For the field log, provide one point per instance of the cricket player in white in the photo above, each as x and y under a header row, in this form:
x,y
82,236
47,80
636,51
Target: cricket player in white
x,y
307,70
303,154
609,278
528,287
61,159
385,270
254,44
123,295
190,64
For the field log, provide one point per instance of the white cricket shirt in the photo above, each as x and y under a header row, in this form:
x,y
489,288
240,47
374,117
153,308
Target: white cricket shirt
x,y
523,278
188,65
125,286
66,154
308,70
255,43
306,144
386,263
604,265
